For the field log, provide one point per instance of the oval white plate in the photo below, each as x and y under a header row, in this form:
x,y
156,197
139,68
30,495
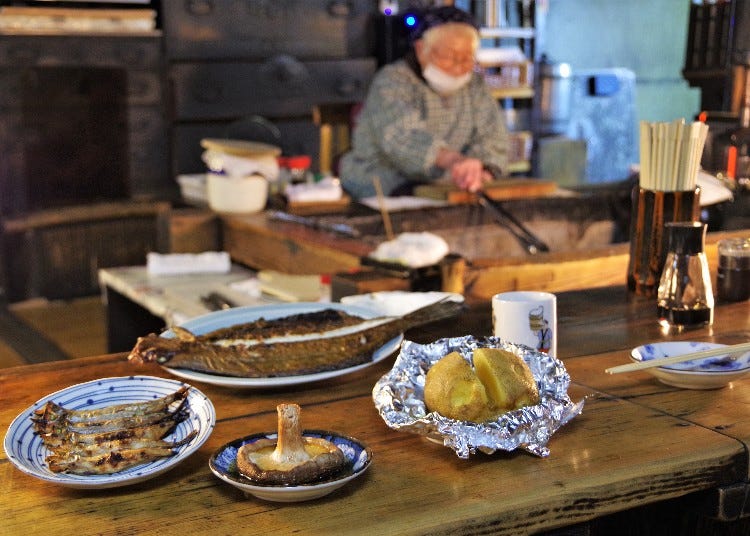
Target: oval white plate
x,y
359,456
708,373
240,315
26,451
399,302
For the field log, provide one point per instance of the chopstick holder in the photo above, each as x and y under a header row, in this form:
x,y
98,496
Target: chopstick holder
x,y
731,349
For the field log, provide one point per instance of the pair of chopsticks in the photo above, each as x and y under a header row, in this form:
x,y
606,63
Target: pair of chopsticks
x,y
728,350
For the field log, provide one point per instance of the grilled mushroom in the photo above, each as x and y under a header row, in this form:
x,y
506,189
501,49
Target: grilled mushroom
x,y
291,459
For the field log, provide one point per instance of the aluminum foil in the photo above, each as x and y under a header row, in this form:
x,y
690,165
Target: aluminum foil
x,y
399,398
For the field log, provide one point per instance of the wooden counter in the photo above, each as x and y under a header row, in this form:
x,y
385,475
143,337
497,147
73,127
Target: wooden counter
x,y
666,459
263,243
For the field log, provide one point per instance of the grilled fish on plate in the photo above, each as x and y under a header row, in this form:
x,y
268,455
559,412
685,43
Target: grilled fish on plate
x,y
323,339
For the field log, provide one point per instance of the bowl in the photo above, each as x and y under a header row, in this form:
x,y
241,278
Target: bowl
x,y
222,464
708,373
226,193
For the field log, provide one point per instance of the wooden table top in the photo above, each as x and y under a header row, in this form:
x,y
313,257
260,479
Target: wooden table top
x,y
637,442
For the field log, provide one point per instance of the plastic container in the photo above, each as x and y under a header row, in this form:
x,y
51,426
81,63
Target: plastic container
x,y
228,193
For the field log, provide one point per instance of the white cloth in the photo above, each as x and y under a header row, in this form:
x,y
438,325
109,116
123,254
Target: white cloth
x,y
412,249
188,263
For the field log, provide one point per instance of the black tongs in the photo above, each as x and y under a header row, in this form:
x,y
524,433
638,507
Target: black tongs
x,y
526,238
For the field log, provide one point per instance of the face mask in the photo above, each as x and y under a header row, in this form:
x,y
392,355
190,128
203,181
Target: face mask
x,y
442,82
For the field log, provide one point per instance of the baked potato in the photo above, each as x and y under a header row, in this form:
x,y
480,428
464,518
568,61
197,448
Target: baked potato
x,y
506,377
453,389
498,381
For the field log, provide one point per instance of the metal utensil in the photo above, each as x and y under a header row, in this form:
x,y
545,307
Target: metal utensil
x,y
314,223
217,302
526,238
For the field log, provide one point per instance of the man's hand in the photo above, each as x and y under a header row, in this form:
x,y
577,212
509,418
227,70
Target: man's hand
x,y
466,173
469,174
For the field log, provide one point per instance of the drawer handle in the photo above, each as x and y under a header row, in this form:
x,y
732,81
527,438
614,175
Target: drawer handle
x,y
287,69
340,9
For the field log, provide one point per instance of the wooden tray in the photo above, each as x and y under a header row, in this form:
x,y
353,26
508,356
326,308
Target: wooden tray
x,y
304,208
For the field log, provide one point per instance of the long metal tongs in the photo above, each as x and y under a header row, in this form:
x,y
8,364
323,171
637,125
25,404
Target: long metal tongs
x,y
526,238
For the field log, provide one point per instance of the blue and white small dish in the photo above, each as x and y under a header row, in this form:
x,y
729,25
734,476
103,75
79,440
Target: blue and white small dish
x,y
224,465
708,373
25,449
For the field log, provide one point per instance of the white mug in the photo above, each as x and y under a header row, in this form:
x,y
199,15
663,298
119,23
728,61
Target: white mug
x,y
526,317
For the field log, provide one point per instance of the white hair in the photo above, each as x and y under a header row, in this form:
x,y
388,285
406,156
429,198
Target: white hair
x,y
435,34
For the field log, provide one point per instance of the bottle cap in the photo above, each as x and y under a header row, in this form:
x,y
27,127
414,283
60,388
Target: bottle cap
x,y
685,238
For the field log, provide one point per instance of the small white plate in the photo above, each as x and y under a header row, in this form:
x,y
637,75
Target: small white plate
x,y
223,465
240,315
708,373
26,451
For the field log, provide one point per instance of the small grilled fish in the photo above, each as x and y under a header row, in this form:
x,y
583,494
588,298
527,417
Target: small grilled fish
x,y
112,456
59,437
287,355
52,412
84,428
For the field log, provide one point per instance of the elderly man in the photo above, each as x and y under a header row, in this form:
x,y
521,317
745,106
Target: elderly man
x,y
429,116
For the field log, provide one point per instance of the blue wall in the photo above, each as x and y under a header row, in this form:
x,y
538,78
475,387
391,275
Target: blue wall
x,y
646,36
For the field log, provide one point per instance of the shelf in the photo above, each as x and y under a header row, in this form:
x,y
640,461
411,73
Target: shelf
x,y
507,60
520,92
506,33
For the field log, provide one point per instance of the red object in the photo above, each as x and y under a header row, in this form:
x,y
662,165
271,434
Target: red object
x,y
302,161
731,161
702,117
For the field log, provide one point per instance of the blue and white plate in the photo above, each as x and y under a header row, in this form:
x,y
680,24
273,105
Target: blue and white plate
x,y
707,373
26,451
358,456
240,315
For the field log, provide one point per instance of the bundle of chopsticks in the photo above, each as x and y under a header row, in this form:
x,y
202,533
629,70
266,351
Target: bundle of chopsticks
x,y
670,154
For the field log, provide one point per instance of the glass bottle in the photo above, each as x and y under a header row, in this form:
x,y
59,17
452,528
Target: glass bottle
x,y
685,298
733,271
